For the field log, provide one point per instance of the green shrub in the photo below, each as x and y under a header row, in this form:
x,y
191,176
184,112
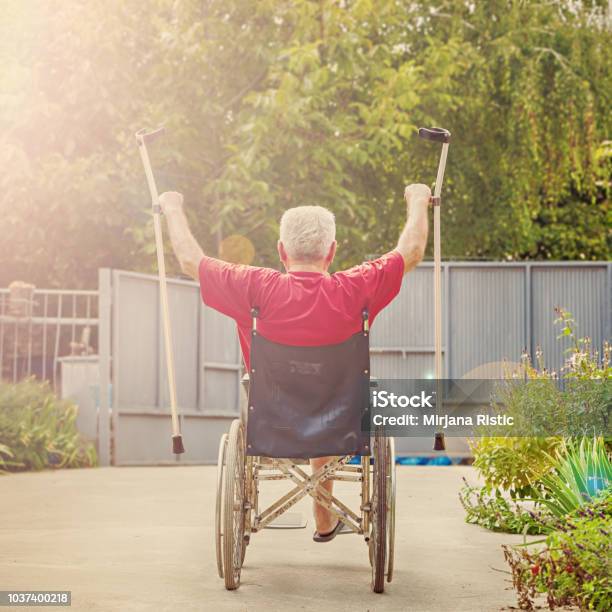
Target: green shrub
x,y
573,569
514,465
38,430
582,472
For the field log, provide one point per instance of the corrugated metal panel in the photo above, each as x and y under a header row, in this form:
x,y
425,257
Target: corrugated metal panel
x,y
579,289
145,440
408,320
184,304
398,365
139,351
220,336
487,320
220,392
220,361
135,341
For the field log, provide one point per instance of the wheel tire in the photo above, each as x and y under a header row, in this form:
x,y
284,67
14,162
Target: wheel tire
x,y
391,486
219,502
378,533
233,506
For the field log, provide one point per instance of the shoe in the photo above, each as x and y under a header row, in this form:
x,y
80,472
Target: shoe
x,y
326,537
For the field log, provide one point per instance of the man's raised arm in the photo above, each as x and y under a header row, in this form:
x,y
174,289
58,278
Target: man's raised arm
x,y
187,250
413,239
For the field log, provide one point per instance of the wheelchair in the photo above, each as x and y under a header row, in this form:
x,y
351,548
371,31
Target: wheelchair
x,y
306,402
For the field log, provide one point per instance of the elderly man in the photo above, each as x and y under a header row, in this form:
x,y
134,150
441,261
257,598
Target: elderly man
x,y
306,306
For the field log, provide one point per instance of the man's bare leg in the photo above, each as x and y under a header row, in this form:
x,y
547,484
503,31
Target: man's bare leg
x,y
324,520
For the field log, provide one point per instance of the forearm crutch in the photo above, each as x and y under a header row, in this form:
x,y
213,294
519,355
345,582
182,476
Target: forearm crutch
x,y
143,137
438,135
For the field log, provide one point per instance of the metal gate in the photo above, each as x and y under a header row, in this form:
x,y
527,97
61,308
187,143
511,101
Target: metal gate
x,y
208,370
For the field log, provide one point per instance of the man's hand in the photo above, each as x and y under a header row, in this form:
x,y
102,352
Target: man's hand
x,y
171,201
417,193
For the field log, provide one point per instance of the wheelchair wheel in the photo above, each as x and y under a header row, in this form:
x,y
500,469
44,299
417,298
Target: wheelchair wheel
x,y
378,513
391,485
233,504
218,509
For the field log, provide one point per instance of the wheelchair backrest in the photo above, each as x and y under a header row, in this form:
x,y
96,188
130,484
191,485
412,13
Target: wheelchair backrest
x,y
308,401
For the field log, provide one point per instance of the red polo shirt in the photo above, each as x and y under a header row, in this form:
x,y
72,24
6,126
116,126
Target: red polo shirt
x,y
300,308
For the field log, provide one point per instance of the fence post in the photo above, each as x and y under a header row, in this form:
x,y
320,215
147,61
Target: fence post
x,y
104,356
528,311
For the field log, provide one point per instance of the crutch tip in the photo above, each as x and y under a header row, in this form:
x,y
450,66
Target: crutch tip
x,y
177,445
439,443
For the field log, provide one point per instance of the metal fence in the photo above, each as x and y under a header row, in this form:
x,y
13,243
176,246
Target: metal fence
x,y
491,312
38,326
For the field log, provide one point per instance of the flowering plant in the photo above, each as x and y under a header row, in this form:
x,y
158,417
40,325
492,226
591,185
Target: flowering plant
x,y
574,567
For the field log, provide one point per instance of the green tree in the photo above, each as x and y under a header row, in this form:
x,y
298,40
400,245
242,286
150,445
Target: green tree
x,y
274,103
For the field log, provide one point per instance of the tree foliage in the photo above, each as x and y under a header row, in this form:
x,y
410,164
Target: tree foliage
x,y
274,103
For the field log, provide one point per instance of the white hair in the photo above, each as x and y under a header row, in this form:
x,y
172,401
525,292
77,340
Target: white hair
x,y
307,232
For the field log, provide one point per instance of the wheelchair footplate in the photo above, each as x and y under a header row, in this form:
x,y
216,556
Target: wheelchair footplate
x,y
290,520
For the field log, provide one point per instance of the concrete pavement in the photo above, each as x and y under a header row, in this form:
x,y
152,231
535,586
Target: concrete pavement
x,y
132,539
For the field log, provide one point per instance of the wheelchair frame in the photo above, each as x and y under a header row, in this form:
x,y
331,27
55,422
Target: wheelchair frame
x,y
238,514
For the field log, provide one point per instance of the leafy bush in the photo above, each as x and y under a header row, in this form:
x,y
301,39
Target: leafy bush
x,y
541,407
497,513
582,472
588,392
574,567
514,465
38,430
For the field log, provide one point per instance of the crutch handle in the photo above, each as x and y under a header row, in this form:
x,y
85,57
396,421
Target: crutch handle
x,y
437,134
146,135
